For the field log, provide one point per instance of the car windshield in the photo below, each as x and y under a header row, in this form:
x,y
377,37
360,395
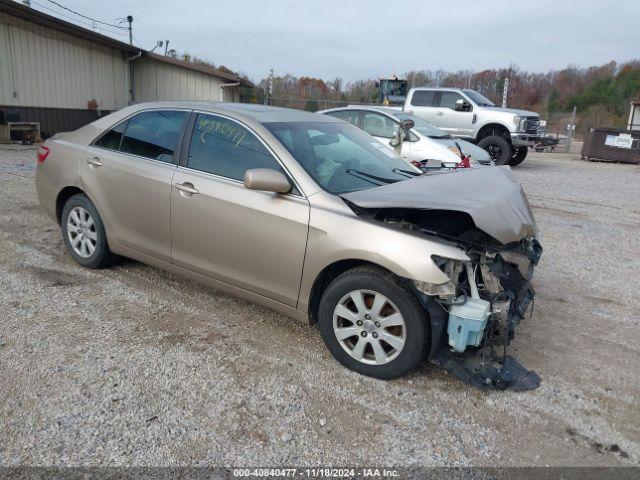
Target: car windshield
x,y
340,157
391,86
422,126
481,100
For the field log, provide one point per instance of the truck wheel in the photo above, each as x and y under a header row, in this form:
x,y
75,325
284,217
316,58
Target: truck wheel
x,y
373,324
519,154
499,149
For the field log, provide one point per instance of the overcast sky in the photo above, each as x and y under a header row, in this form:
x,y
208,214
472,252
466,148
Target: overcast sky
x,y
357,39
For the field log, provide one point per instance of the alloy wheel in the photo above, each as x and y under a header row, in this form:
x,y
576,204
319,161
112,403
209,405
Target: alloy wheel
x,y
495,152
81,230
369,327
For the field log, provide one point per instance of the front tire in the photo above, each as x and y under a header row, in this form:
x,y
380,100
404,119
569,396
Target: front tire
x,y
83,233
373,324
499,149
519,154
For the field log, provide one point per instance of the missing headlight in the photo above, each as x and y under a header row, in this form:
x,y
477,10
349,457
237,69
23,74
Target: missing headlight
x,y
446,291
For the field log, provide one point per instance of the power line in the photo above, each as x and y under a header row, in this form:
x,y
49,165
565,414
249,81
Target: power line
x,y
84,16
114,32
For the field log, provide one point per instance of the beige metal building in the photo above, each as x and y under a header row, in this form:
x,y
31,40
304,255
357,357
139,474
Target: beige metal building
x,y
164,78
64,76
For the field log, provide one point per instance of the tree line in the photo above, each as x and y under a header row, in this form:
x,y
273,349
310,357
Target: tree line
x,y
601,93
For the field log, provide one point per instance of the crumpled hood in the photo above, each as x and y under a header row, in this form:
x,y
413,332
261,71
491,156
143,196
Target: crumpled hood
x,y
491,196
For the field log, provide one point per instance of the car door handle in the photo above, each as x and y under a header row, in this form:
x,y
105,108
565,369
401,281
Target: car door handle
x,y
439,113
94,161
187,188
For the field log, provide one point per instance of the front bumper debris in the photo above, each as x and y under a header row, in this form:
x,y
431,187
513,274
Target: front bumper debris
x,y
491,372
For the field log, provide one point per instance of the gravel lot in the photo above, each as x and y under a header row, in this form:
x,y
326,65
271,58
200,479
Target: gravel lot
x,y
134,366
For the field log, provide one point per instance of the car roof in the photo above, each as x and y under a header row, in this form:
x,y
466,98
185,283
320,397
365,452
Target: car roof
x,y
442,89
373,108
256,112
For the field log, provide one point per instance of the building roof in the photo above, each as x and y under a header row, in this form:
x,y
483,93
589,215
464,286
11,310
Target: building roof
x,y
199,68
15,9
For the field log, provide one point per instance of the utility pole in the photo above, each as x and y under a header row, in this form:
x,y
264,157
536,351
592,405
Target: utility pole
x,y
504,92
270,86
130,20
132,88
571,128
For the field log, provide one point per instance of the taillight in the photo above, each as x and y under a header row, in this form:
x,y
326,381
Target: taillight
x,y
43,152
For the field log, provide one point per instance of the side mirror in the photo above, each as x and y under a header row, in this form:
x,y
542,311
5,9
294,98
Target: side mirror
x,y
401,134
266,180
462,106
407,124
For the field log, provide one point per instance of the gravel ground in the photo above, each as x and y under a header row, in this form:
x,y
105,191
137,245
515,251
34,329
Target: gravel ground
x,y
134,366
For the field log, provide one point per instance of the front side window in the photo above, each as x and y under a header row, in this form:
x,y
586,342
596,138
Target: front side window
x,y
226,148
423,98
379,125
449,99
481,100
154,134
339,157
111,139
350,116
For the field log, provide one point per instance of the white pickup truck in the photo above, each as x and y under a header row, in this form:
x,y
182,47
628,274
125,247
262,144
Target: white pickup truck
x,y
505,133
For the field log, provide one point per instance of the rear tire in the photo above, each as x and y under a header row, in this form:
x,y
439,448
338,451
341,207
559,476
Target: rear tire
x,y
520,153
389,312
499,149
84,235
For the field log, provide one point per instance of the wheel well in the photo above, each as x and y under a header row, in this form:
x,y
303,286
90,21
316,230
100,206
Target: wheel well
x,y
65,194
494,129
325,277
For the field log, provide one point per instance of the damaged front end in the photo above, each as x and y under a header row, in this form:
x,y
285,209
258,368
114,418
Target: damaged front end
x,y
474,315
483,302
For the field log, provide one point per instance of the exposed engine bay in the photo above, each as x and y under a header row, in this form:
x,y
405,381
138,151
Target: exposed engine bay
x,y
475,314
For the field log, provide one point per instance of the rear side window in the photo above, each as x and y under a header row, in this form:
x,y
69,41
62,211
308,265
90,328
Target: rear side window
x,y
111,139
350,116
153,134
423,98
226,148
